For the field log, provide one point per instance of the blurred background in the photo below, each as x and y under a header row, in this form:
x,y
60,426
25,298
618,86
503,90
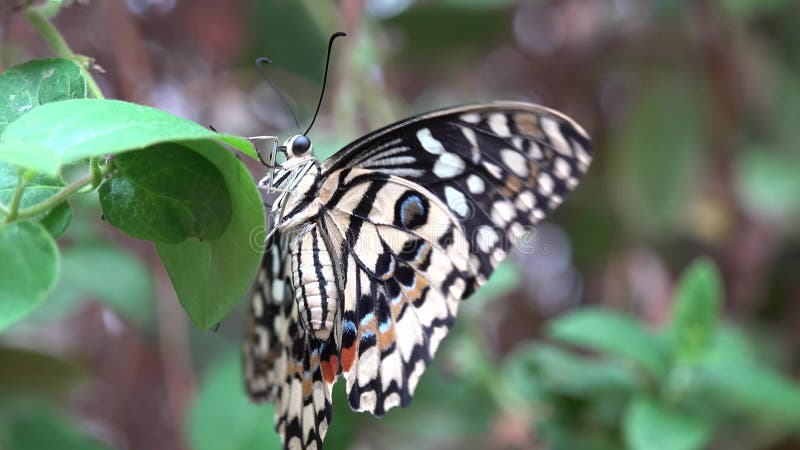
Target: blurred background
x,y
693,107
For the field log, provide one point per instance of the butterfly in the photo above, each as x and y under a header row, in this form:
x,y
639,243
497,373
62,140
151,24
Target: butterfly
x,y
373,249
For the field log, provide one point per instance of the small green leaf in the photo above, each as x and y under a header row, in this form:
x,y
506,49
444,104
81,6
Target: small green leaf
x,y
565,372
35,83
765,394
85,271
28,269
37,189
613,333
650,425
696,313
57,220
222,405
64,132
211,276
166,193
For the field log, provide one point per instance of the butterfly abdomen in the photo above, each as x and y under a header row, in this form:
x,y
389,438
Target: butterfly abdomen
x,y
313,281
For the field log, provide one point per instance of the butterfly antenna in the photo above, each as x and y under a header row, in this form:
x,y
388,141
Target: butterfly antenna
x,y
324,78
259,65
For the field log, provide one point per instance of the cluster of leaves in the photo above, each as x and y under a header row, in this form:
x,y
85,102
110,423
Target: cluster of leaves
x,y
697,381
169,181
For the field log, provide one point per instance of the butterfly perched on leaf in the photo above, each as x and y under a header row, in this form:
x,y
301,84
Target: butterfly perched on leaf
x,y
373,249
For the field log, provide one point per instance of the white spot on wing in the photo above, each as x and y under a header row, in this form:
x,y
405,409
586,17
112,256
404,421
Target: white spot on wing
x,y
526,200
448,165
456,201
486,238
471,117
278,289
561,168
499,124
502,212
428,142
493,169
515,161
545,183
475,184
551,128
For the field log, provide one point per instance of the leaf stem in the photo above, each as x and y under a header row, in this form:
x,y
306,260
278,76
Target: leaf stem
x,y
56,199
97,172
13,209
38,19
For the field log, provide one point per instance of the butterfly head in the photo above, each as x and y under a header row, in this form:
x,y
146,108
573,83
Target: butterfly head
x,y
298,146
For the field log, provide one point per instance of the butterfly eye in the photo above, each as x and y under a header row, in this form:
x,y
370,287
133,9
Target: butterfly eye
x,y
301,145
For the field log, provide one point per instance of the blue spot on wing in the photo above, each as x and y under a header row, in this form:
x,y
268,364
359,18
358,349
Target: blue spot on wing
x,y
349,326
367,319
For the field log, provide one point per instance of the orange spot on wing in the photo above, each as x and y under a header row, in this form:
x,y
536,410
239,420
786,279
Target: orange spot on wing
x,y
348,356
329,369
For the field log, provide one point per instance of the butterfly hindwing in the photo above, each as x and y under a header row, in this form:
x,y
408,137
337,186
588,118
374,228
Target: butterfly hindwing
x,y
405,267
284,363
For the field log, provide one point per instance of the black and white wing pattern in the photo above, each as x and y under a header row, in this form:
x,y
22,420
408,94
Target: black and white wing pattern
x,y
282,361
415,217
420,213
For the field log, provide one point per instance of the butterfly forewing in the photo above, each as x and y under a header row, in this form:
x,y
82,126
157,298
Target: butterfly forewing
x,y
415,217
500,167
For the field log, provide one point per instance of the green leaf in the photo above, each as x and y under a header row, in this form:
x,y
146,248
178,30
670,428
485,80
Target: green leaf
x,y
612,333
166,193
696,313
650,425
768,184
64,132
568,373
28,269
210,276
35,83
85,271
659,153
57,220
737,378
37,189
222,405
38,429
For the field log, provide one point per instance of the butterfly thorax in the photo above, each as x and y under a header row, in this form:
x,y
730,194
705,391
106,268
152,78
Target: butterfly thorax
x,y
295,212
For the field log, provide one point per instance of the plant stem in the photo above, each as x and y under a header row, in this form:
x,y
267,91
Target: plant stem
x,y
39,20
97,172
4,211
13,209
56,199
60,47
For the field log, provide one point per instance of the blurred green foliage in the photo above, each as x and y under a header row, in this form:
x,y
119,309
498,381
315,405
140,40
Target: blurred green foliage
x,y
693,107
